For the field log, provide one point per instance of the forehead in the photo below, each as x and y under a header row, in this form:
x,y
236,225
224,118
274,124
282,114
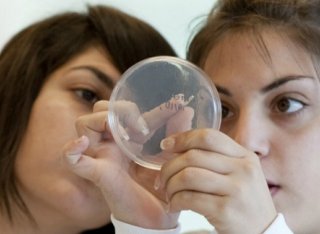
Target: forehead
x,y
94,57
268,55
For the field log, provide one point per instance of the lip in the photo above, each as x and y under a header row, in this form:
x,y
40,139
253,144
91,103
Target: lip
x,y
273,188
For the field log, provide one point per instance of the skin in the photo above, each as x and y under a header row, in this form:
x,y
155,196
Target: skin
x,y
256,165
60,201
94,156
274,121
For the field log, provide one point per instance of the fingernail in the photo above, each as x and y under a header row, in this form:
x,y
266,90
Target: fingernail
x,y
156,185
80,140
124,134
73,158
143,125
167,143
74,155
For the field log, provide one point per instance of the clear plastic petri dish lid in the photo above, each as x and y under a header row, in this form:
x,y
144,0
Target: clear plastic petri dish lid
x,y
155,98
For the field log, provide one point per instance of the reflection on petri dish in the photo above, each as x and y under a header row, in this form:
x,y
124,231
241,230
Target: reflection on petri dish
x,y
155,98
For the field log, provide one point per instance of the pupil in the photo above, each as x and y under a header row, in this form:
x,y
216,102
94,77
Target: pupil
x,y
283,105
88,95
225,112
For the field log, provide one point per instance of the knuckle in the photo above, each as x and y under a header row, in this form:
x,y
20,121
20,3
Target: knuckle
x,y
206,136
182,200
186,176
80,122
190,156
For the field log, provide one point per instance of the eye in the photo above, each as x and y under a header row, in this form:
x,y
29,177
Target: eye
x,y
288,105
87,95
226,112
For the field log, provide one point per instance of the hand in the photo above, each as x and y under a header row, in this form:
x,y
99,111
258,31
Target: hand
x,y
216,177
127,187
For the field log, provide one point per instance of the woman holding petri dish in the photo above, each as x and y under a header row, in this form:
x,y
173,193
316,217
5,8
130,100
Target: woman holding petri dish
x,y
52,73
258,174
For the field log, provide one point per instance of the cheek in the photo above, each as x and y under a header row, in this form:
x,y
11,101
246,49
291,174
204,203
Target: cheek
x,y
51,125
300,155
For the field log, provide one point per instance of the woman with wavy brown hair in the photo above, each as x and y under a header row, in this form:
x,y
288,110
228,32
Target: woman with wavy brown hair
x,y
51,73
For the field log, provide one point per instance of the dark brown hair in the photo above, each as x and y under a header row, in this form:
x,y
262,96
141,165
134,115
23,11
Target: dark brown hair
x,y
38,50
297,20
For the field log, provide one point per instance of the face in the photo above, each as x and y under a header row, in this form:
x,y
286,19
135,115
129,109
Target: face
x,y
53,194
272,107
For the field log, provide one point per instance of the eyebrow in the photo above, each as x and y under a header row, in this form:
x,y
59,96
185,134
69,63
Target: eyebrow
x,y
223,90
269,87
99,74
283,81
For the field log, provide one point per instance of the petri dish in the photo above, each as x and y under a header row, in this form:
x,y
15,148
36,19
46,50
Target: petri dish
x,y
155,98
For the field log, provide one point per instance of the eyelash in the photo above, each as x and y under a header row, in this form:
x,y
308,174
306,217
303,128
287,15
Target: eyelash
x,y
227,112
291,101
225,108
84,93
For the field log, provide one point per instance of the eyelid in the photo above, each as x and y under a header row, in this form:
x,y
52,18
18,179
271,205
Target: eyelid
x,y
91,77
291,99
102,91
230,108
98,74
80,91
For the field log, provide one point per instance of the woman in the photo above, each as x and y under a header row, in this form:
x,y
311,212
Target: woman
x,y
264,58
258,174
52,73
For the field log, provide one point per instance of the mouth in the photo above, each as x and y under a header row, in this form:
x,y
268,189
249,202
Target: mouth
x,y
273,188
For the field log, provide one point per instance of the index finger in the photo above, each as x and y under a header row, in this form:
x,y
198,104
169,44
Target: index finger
x,y
203,139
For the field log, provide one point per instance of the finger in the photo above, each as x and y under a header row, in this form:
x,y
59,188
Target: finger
x,y
177,119
212,161
74,149
94,126
86,168
139,127
202,203
130,116
100,106
159,115
195,158
204,139
180,122
198,179
93,168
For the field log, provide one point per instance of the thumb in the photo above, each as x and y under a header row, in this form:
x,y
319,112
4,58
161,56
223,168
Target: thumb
x,y
81,164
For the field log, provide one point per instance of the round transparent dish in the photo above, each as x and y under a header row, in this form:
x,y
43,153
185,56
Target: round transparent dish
x,y
155,98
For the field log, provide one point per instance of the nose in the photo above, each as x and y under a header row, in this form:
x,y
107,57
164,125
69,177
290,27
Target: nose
x,y
252,130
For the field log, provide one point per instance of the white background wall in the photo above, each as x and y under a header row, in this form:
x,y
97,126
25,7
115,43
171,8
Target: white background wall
x,y
173,18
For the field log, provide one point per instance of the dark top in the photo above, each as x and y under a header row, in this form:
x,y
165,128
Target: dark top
x,y
107,229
